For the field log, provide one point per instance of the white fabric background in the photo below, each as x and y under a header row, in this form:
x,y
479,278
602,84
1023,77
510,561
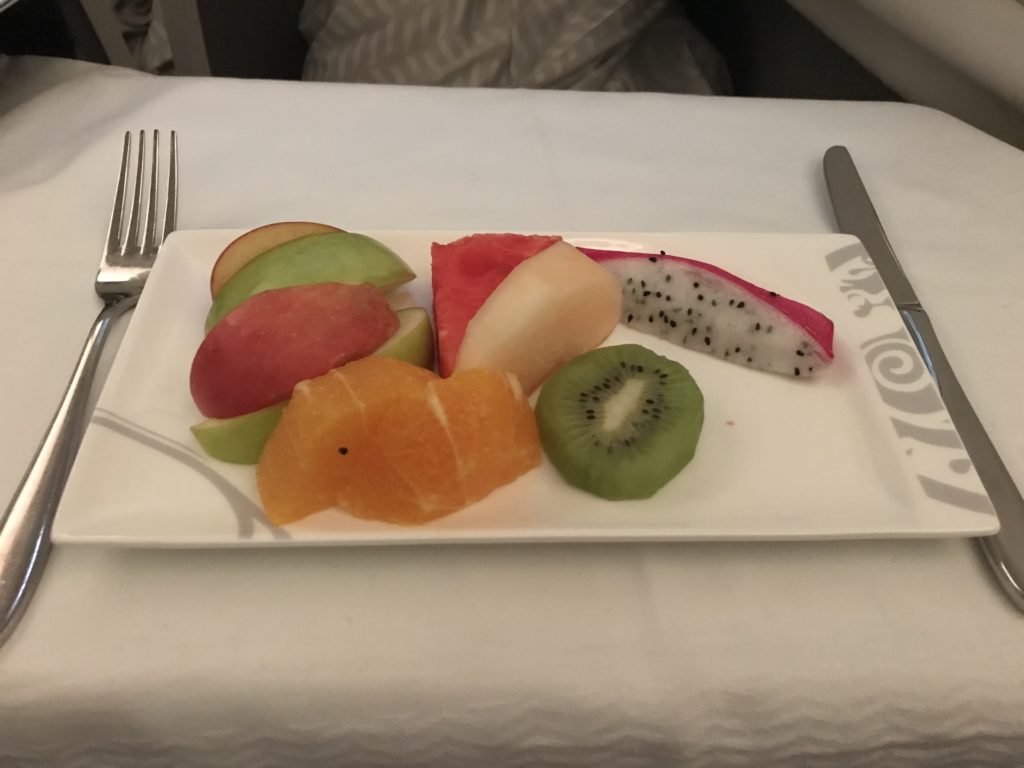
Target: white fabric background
x,y
840,653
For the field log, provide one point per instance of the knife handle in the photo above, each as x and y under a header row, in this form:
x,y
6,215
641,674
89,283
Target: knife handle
x,y
1005,551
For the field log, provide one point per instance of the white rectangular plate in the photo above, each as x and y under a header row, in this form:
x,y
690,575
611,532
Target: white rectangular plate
x,y
866,450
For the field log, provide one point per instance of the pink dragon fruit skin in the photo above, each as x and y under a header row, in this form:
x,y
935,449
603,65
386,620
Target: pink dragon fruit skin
x,y
704,307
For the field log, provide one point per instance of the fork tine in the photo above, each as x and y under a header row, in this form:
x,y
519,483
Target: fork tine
x,y
131,243
114,230
148,241
171,214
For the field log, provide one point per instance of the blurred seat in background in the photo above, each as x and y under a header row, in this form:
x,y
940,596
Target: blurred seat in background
x,y
638,45
961,57
610,45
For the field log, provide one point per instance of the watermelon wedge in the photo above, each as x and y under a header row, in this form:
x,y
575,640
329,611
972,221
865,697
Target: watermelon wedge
x,y
464,273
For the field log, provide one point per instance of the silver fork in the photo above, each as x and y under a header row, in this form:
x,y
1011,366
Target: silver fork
x,y
126,263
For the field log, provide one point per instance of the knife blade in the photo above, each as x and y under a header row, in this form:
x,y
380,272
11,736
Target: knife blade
x,y
856,216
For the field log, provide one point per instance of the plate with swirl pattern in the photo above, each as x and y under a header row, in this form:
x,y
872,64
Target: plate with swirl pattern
x,y
864,450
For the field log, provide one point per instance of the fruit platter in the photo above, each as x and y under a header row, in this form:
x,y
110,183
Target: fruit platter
x,y
301,383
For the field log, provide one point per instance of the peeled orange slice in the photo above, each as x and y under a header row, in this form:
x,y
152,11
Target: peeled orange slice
x,y
490,425
322,443
386,440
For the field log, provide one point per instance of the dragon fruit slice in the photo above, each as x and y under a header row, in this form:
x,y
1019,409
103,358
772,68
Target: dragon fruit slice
x,y
703,307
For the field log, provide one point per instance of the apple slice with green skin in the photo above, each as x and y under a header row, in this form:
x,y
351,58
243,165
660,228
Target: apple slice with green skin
x,y
413,342
256,242
336,257
240,439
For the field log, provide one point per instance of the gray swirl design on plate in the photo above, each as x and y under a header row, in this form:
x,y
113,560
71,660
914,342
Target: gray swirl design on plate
x,y
905,385
247,514
861,280
945,438
901,377
960,466
958,497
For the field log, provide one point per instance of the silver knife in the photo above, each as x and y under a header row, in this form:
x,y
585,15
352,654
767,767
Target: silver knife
x,y
856,216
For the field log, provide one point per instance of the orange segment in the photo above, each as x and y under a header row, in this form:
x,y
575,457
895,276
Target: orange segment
x,y
524,437
415,443
386,440
292,483
376,378
490,429
302,465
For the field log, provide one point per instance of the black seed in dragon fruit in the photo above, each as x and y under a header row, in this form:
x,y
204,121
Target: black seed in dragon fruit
x,y
703,307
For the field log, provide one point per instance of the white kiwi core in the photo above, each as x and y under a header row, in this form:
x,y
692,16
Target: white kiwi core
x,y
620,405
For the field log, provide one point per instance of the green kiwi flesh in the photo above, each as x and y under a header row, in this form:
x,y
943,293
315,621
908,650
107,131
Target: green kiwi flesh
x,y
620,422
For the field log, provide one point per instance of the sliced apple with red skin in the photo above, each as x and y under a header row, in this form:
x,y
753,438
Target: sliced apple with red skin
x,y
240,439
343,257
549,309
272,341
255,242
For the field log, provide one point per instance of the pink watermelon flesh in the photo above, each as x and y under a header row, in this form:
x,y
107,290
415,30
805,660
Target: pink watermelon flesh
x,y
464,273
269,343
704,307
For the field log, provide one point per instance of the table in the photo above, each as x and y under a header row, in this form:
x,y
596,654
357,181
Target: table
x,y
771,654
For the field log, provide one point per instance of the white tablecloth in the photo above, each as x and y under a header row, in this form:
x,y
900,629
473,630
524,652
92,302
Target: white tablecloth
x,y
845,653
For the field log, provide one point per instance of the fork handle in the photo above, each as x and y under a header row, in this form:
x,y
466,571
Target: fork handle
x,y
25,526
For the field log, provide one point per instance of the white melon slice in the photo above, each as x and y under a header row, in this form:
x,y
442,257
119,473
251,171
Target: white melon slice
x,y
549,309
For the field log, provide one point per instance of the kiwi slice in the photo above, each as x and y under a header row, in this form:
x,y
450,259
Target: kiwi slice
x,y
621,421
